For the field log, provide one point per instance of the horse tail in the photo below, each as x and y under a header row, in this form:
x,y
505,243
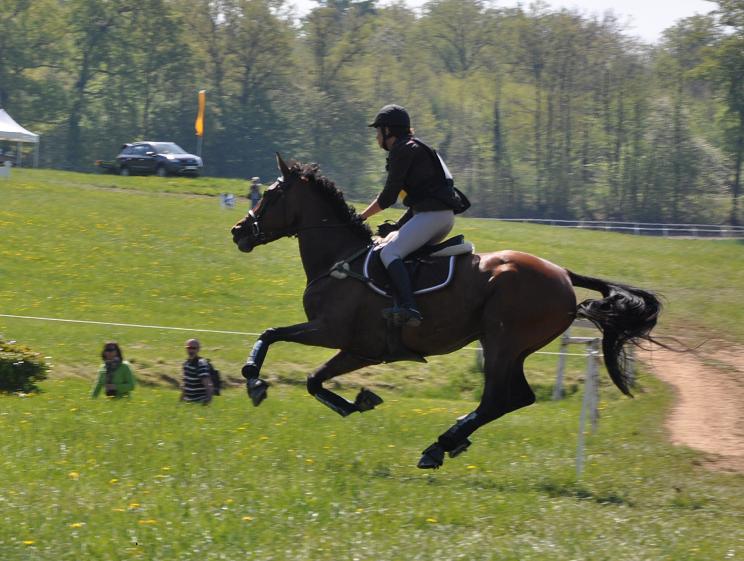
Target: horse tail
x,y
625,314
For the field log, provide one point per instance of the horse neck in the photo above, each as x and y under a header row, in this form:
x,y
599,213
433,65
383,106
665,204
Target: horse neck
x,y
323,246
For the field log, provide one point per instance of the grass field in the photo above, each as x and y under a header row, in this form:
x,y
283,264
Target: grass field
x,y
152,479
149,478
118,249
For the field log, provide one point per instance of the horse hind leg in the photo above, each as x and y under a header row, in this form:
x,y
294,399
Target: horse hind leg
x,y
505,390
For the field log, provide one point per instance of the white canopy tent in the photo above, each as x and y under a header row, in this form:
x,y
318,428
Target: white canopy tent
x,y
12,131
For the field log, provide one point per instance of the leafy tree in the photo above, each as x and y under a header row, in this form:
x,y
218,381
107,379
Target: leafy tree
x,y
725,68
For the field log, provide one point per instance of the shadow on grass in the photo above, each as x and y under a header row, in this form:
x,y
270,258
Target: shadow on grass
x,y
578,491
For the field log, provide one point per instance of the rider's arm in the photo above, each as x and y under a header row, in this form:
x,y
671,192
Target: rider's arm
x,y
401,158
371,210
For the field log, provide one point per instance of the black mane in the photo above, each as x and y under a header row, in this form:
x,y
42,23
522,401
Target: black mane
x,y
335,197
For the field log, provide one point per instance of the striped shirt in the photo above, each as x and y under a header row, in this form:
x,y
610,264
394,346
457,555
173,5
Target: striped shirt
x,y
194,372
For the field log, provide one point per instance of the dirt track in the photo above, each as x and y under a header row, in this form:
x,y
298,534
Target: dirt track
x,y
709,412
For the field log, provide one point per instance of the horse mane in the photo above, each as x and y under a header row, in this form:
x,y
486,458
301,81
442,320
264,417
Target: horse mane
x,y
335,197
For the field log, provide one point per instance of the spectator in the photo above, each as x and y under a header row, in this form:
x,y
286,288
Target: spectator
x,y
227,200
197,381
254,194
115,375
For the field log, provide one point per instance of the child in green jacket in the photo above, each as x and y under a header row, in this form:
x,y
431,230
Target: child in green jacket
x,y
115,375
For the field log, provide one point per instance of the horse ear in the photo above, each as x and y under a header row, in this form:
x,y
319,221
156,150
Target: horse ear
x,y
283,167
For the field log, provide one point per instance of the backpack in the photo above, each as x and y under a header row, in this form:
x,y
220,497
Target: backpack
x,y
460,201
214,374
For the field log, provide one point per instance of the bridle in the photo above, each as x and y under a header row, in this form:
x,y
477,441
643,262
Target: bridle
x,y
253,218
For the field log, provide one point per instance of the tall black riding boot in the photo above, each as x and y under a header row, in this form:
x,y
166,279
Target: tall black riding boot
x,y
405,312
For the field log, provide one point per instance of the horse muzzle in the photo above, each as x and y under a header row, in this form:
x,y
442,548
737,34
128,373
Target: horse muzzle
x,y
246,233
245,244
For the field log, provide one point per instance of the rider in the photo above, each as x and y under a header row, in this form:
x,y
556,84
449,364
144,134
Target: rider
x,y
416,172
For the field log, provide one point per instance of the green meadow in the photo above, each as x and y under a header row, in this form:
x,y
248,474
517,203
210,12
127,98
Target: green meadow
x,y
149,478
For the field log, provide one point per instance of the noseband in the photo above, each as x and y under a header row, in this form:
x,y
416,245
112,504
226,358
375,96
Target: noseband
x,y
253,219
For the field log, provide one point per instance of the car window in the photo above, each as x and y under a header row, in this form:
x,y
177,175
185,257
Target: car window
x,y
168,148
141,149
127,150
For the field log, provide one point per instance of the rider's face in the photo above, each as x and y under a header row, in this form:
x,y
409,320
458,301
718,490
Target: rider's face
x,y
384,143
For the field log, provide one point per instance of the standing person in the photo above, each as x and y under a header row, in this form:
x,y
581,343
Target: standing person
x,y
115,374
421,176
197,382
254,193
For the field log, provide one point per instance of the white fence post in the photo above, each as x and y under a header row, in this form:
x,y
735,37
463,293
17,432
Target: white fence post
x,y
593,373
589,403
558,387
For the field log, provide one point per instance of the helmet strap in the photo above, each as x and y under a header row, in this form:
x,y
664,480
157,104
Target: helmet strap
x,y
385,136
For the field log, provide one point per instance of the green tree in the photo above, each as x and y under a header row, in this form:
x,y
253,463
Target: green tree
x,y
94,27
725,67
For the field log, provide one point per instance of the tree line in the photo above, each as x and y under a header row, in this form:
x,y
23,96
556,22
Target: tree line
x,y
539,112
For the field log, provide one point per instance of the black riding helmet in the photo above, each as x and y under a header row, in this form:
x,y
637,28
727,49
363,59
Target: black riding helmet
x,y
392,116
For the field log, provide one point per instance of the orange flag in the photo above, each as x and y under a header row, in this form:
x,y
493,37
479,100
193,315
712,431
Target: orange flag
x,y
199,125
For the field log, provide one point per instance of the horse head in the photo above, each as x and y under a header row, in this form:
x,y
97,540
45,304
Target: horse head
x,y
276,214
299,200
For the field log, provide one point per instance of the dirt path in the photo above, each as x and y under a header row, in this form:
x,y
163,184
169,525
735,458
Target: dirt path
x,y
709,413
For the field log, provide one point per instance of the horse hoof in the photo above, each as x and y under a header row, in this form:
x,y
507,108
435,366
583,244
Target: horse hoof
x,y
367,400
431,458
257,390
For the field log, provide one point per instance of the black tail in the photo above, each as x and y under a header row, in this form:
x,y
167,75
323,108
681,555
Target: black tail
x,y
625,315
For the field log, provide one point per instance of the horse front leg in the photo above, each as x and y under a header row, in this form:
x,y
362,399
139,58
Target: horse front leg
x,y
342,363
308,333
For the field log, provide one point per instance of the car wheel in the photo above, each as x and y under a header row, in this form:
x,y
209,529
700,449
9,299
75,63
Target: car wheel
x,y
124,171
162,172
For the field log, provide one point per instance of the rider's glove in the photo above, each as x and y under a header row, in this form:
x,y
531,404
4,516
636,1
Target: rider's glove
x,y
384,229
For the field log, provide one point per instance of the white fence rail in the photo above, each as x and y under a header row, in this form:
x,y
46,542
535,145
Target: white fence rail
x,y
643,228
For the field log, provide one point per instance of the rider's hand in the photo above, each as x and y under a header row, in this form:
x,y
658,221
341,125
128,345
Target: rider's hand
x,y
386,228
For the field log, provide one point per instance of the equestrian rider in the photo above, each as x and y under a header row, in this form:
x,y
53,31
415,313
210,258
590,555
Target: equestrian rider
x,y
416,172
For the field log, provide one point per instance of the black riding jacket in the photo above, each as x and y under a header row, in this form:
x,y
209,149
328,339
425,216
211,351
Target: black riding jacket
x,y
413,169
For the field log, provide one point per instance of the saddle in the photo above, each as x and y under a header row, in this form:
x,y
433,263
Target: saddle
x,y
430,268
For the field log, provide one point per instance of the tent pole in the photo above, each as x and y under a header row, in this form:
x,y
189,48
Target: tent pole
x,y
18,154
36,153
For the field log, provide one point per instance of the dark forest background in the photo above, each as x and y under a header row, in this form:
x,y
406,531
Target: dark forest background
x,y
539,112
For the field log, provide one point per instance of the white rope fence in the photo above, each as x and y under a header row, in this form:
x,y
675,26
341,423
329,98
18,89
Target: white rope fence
x,y
201,330
642,228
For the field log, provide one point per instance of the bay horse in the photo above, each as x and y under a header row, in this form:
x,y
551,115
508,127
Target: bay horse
x,y
513,302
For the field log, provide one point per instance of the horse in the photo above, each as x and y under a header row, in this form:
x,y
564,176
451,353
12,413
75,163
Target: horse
x,y
514,303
